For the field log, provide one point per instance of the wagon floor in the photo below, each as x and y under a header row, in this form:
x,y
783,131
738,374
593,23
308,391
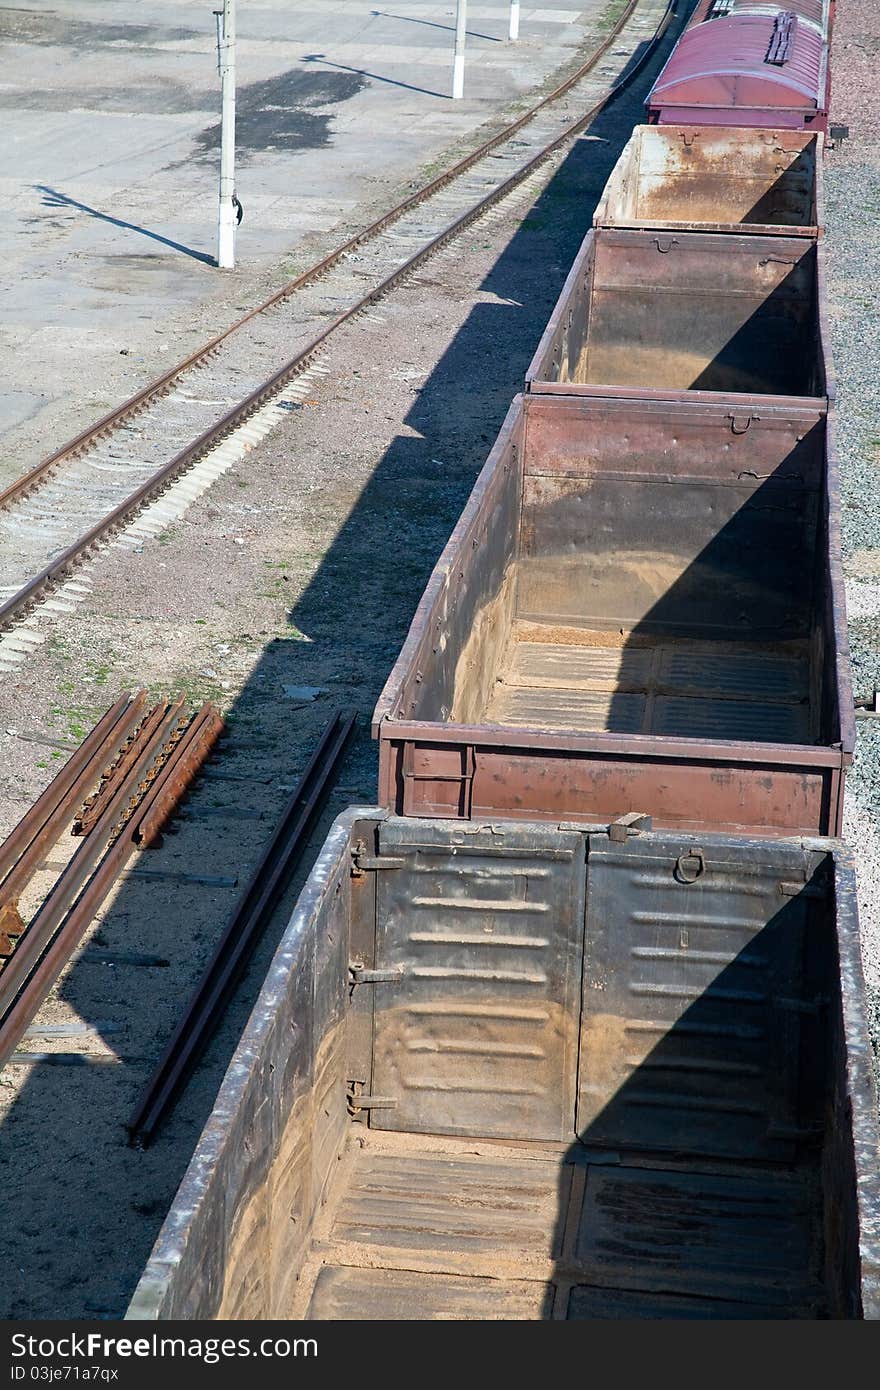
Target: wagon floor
x,y
666,687
434,1229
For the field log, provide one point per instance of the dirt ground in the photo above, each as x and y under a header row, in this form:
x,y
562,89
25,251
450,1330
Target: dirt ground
x,y
301,567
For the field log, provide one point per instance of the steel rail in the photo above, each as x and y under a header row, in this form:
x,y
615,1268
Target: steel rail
x,y
46,921
244,928
163,384
57,928
66,791
22,601
168,788
24,850
129,758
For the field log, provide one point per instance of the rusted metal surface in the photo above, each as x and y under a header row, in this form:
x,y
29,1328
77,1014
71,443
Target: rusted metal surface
x,y
11,928
676,643
69,787
668,315
117,771
173,781
716,179
24,850
745,69
46,944
249,918
528,774
723,1082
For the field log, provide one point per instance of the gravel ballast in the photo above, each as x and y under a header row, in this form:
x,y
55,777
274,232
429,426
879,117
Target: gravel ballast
x,y
852,195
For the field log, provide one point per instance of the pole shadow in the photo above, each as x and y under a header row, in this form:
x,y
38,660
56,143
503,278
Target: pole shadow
x,y
374,76
432,24
53,199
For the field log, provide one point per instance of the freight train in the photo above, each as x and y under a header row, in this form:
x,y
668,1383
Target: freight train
x,y
571,1025
741,63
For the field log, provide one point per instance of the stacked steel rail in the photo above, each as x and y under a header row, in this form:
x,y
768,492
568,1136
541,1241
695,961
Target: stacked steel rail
x,y
117,791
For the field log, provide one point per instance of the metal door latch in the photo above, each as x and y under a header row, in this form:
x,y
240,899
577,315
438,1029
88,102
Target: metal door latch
x,y
631,824
360,974
362,862
689,866
805,890
357,1101
740,423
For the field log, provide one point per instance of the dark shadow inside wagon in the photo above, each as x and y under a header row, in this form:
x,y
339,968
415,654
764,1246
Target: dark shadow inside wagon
x,y
705,1183
683,334
775,350
671,312
641,606
675,608
600,1078
790,200
712,1175
627,574
695,1188
701,177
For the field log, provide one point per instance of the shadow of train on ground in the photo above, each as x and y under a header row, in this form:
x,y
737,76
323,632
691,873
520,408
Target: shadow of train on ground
x,y
87,1207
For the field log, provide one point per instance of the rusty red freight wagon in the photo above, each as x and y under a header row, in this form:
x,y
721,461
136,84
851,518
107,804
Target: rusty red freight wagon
x,y
664,314
816,14
716,179
531,1071
640,610
745,69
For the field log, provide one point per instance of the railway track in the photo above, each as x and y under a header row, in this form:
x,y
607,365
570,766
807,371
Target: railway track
x,y
188,423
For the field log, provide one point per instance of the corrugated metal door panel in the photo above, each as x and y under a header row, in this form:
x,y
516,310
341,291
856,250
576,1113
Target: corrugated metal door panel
x,y
693,999
479,1034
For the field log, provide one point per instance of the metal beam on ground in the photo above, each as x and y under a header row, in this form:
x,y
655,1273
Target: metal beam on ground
x,y
247,922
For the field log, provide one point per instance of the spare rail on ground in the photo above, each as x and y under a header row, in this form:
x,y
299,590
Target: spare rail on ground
x,y
142,763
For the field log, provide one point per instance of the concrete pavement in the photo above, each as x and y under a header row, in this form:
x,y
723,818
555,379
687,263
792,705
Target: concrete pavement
x,y
109,180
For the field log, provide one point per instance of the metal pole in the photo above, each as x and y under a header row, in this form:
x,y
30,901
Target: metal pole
x,y
513,31
458,60
226,61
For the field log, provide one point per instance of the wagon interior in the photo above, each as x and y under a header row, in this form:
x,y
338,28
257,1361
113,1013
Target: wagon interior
x,y
700,177
671,311
582,1083
638,570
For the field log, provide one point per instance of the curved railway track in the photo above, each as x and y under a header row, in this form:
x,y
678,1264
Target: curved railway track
x,y
57,513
